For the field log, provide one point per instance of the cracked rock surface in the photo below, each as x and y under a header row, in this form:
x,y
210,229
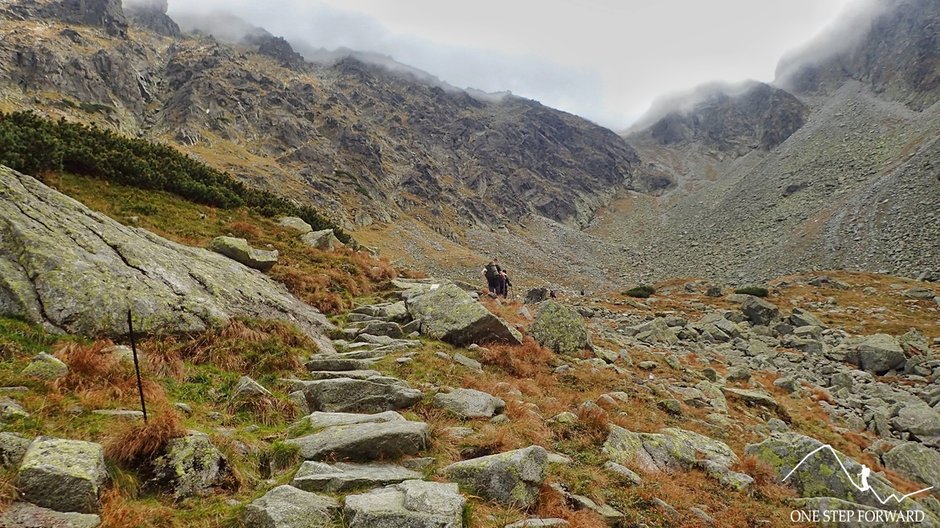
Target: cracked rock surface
x,y
77,271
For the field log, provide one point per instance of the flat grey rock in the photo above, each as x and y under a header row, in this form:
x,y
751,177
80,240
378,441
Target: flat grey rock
x,y
341,476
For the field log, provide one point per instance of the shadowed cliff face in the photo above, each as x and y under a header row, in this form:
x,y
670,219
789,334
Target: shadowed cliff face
x,y
894,48
359,140
759,117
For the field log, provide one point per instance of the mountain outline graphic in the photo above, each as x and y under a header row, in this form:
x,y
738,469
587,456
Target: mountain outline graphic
x,y
863,477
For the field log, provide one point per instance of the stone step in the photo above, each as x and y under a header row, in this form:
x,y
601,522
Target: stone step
x,y
342,476
370,395
361,437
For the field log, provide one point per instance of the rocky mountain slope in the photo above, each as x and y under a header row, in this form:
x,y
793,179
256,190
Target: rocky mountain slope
x,y
855,186
360,141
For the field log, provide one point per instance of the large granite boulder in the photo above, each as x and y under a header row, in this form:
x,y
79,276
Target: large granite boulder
x,y
324,239
239,250
371,395
920,420
915,461
450,314
880,353
671,449
289,507
759,311
361,437
190,467
60,262
342,476
410,504
815,469
63,475
469,403
512,478
560,328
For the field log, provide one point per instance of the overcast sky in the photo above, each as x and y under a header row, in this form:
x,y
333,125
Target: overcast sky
x,y
606,60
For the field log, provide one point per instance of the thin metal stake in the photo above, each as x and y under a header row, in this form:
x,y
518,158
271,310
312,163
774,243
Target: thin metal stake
x,y
140,384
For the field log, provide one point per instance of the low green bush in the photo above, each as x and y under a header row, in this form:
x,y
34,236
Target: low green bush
x,y
34,145
756,291
640,292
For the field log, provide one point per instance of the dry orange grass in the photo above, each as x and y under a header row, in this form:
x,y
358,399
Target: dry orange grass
x,y
8,492
252,347
330,280
524,361
137,444
553,505
98,377
119,512
267,410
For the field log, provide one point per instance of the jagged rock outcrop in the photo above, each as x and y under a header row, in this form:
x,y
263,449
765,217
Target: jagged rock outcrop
x,y
74,270
151,14
890,46
733,119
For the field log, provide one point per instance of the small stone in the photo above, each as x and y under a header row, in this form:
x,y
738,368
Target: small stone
x,y
240,251
565,417
624,473
46,366
671,406
184,408
470,363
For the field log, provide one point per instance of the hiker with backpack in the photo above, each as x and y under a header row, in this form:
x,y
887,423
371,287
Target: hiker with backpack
x,y
506,283
492,272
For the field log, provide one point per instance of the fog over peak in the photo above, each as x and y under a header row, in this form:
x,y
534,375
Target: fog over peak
x,y
606,60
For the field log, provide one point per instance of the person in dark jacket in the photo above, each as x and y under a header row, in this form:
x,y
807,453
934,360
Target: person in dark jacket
x,y
492,271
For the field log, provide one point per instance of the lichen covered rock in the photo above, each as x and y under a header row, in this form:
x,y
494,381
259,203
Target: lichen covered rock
x,y
78,271
239,250
191,467
560,328
450,314
62,475
512,478
410,504
289,507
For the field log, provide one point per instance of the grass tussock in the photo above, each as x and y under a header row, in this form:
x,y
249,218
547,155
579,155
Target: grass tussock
x,y
119,511
766,483
136,444
553,505
251,347
330,280
99,377
266,410
8,492
524,361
